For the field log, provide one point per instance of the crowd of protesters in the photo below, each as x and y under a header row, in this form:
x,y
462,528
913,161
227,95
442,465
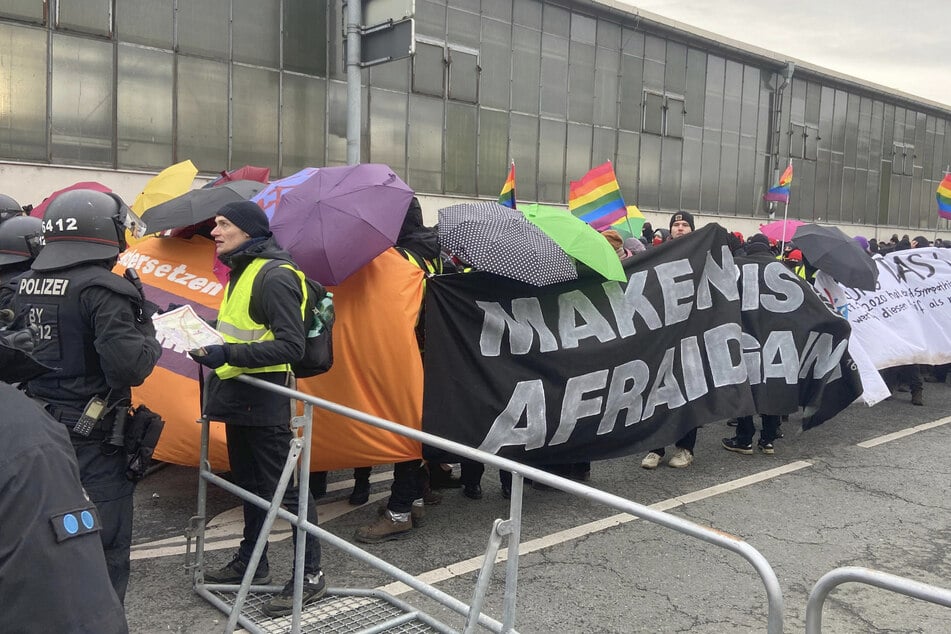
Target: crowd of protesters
x,y
244,242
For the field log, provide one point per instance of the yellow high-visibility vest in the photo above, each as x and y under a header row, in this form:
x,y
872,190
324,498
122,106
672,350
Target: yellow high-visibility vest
x,y
235,323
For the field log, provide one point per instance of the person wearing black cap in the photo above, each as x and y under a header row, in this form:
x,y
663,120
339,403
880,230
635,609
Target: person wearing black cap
x,y
53,575
264,334
681,223
94,329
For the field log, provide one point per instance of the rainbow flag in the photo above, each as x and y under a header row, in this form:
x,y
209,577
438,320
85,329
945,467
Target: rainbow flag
x,y
780,193
631,224
944,197
596,198
507,195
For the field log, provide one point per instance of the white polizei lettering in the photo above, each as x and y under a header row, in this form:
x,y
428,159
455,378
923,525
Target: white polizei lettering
x,y
43,286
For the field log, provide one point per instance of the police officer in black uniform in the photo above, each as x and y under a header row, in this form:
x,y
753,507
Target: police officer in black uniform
x,y
92,328
21,239
53,575
9,208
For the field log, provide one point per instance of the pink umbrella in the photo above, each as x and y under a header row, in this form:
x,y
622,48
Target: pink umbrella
x,y
776,230
40,209
246,173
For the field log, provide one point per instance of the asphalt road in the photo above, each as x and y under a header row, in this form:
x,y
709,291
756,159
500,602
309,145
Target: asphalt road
x,y
823,501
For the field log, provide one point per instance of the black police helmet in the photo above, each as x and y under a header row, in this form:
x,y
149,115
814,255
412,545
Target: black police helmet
x,y
9,208
21,239
82,225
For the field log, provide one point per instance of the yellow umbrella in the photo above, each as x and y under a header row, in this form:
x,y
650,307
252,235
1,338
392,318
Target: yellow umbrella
x,y
171,182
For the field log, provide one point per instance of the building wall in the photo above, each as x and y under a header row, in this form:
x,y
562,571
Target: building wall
x,y
127,87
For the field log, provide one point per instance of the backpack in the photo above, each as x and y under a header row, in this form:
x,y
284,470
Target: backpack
x,y
318,325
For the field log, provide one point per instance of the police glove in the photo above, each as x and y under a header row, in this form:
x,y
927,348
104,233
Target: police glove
x,y
210,356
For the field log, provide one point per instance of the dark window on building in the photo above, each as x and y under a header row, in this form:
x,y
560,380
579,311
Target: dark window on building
x,y
429,67
663,114
463,75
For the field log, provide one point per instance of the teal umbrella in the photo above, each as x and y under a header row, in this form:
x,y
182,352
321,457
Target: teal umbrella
x,y
576,238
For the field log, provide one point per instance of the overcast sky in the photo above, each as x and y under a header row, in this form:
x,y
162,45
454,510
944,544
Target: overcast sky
x,y
904,45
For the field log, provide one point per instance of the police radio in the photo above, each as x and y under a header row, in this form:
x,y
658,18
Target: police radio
x,y
93,412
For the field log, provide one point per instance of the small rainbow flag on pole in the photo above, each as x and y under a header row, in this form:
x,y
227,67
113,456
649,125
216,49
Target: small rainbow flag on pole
x,y
596,198
780,193
631,224
944,197
507,195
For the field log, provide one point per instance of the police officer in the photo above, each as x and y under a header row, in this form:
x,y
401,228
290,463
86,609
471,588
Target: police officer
x,y
9,208
21,239
53,575
91,327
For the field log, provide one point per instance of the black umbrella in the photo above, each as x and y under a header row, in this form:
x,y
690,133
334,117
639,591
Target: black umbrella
x,y
197,205
500,240
830,250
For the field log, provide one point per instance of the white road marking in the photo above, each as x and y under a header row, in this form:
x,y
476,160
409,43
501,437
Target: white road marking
x,y
473,564
874,442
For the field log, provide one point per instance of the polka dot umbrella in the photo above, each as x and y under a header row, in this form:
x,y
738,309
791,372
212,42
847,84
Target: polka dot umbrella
x,y
499,240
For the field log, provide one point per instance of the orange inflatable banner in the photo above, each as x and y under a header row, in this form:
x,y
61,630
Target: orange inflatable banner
x,y
377,367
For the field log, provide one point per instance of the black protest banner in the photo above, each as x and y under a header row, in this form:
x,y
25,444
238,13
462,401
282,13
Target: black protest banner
x,y
593,369
796,348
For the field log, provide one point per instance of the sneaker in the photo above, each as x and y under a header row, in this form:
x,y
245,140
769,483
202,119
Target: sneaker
x,y
283,603
732,444
916,398
766,447
651,460
233,573
681,458
386,528
732,422
472,491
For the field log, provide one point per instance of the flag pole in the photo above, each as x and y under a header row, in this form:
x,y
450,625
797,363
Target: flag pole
x,y
782,246
947,170
627,216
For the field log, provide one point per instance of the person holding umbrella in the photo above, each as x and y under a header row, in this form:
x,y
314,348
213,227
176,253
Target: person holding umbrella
x,y
264,334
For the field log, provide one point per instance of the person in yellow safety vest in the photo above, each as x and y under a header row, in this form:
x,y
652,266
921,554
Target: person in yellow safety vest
x,y
263,336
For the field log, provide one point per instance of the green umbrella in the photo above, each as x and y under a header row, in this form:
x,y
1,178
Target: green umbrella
x,y
576,238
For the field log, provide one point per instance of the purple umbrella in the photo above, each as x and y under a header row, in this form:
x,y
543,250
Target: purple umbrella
x,y
339,218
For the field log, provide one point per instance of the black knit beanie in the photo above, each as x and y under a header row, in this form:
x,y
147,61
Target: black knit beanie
x,y
682,215
248,217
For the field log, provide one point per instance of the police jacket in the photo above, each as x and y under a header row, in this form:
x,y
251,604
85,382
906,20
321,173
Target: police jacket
x,y
53,574
9,279
278,309
89,328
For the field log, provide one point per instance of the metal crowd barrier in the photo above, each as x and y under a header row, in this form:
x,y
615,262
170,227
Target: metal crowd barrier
x,y
340,610
884,580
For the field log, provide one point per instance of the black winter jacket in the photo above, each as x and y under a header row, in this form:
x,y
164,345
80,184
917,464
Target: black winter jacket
x,y
278,308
